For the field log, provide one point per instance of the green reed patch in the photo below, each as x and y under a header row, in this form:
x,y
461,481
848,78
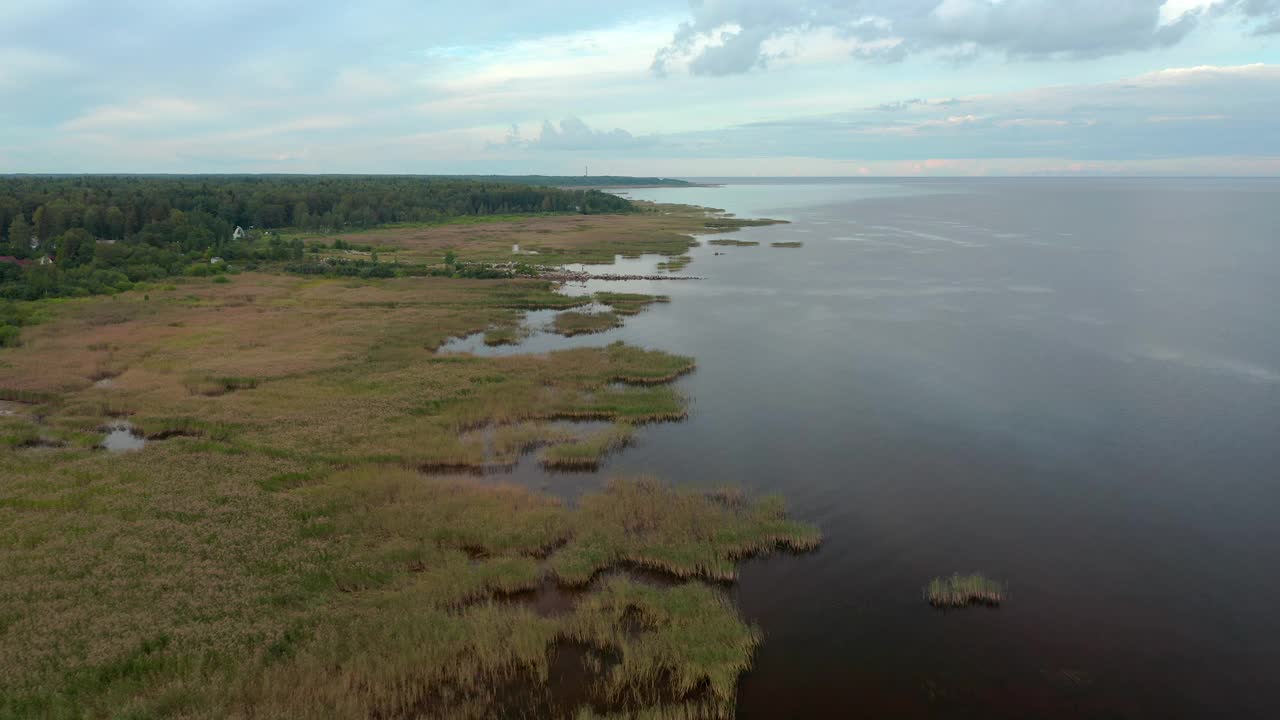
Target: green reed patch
x,y
675,264
494,337
570,322
586,453
682,532
959,591
629,303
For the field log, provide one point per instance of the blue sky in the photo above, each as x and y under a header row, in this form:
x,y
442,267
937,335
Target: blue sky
x,y
701,88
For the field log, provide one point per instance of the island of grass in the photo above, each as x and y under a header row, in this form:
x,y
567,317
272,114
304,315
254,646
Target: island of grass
x,y
729,242
675,264
788,244
587,453
275,550
570,323
958,591
494,337
629,303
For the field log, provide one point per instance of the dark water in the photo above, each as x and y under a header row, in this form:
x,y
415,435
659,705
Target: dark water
x,y
1071,386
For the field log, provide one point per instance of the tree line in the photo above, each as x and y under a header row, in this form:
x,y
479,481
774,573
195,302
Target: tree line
x,y
103,233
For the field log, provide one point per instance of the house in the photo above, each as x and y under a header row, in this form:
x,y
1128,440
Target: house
x,y
238,234
14,261
44,260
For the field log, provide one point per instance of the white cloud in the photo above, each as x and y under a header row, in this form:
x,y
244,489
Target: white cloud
x,y
734,36
143,113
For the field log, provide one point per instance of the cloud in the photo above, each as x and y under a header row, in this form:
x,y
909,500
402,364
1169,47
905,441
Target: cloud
x,y
574,134
1265,14
1148,121
144,113
726,37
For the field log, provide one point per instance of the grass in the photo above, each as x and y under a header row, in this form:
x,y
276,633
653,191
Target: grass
x,y
733,243
571,323
675,264
789,244
278,555
685,533
958,591
494,337
586,453
629,303
556,239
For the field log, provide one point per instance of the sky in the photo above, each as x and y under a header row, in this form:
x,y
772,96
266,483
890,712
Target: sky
x,y
660,87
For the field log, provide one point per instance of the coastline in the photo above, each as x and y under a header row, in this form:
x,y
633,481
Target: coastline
x,y
248,390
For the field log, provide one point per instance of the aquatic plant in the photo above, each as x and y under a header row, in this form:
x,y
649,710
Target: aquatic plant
x,y
502,336
571,323
685,533
629,303
959,591
586,453
788,244
675,263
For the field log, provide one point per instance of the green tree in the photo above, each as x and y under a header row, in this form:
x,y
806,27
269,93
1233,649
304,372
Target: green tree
x,y
19,236
75,248
301,215
115,223
40,221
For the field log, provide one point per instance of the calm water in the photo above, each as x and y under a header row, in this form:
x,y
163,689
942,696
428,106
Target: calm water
x,y
1071,386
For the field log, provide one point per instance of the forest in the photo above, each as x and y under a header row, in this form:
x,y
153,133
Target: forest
x,y
79,235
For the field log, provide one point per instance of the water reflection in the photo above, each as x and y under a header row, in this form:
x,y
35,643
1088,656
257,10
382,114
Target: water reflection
x,y
122,436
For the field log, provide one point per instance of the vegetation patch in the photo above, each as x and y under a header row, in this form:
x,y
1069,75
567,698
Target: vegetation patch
x,y
788,244
629,303
681,532
675,264
280,557
722,223
733,243
958,591
494,337
586,453
571,323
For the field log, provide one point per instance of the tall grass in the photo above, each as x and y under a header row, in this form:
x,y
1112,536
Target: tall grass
x,y
586,453
571,323
959,591
681,532
629,303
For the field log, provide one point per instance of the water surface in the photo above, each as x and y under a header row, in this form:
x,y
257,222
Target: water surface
x,y
1070,385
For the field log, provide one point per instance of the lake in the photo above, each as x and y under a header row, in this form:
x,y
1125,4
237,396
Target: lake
x,y
1072,386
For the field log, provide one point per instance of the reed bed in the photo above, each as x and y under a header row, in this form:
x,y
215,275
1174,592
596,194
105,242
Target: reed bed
x,y
29,397
571,323
629,303
729,242
789,244
278,557
958,591
680,532
675,264
587,453
494,337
